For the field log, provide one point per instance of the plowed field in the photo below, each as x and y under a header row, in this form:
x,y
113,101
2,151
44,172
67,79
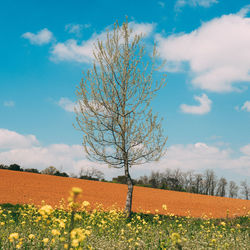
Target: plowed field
x,y
23,187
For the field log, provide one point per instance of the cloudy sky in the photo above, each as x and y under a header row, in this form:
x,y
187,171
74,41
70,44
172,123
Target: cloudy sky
x,y
45,46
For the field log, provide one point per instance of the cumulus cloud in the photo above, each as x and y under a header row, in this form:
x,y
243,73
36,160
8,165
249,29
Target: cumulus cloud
x,y
246,150
71,50
11,139
246,106
70,106
66,104
244,11
203,107
8,103
43,36
195,3
200,156
26,151
75,28
217,53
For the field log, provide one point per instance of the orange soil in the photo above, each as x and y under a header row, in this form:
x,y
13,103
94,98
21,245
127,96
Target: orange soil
x,y
23,187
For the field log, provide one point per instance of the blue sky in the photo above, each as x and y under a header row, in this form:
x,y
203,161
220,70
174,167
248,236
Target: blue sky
x,y
45,46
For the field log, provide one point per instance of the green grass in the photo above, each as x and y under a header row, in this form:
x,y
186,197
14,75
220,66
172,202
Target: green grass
x,y
27,227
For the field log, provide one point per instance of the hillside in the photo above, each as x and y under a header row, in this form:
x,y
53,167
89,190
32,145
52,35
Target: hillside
x,y
23,187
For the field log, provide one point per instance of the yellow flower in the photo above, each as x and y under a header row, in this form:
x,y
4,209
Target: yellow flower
x,y
55,232
164,207
87,232
31,236
62,224
45,210
75,243
78,217
78,234
175,237
45,240
65,246
76,190
2,223
129,240
13,236
85,204
223,223
19,245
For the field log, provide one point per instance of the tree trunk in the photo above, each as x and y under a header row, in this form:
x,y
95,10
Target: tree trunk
x,y
128,206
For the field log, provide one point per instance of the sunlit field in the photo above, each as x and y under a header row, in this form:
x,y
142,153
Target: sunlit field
x,y
74,225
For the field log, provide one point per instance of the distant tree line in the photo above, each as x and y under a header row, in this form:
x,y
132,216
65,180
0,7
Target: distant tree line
x,y
207,183
87,174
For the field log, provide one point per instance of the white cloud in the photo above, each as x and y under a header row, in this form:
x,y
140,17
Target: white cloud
x,y
83,52
200,156
10,140
66,104
203,107
43,36
246,150
27,152
244,11
145,29
8,103
74,28
217,53
70,106
246,106
71,51
194,3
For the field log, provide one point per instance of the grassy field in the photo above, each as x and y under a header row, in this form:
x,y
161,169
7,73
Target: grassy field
x,y
74,226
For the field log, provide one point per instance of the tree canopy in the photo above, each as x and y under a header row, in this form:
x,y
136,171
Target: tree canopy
x,y
114,113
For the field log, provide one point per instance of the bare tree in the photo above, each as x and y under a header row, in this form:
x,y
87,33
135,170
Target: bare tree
x,y
155,179
221,187
188,181
114,112
233,189
144,180
51,170
198,183
91,173
209,182
245,189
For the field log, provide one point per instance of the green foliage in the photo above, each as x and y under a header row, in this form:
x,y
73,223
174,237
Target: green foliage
x,y
28,227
